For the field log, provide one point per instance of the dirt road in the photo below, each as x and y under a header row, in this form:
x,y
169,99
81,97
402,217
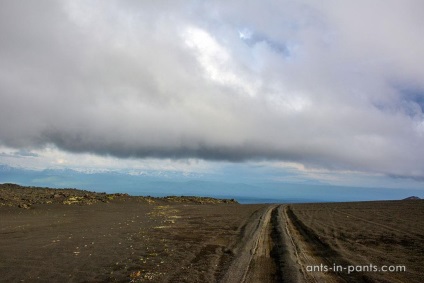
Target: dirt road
x,y
281,244
265,253
275,249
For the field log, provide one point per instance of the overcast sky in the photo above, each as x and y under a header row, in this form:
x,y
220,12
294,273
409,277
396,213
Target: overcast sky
x,y
319,86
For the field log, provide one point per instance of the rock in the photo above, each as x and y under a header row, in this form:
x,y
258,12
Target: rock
x,y
24,205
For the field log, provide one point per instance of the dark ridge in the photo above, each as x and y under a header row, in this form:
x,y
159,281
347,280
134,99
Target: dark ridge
x,y
412,198
13,195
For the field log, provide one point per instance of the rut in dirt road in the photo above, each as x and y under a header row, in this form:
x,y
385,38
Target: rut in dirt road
x,y
263,266
264,253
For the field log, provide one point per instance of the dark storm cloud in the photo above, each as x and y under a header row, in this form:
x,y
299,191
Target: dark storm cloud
x,y
219,81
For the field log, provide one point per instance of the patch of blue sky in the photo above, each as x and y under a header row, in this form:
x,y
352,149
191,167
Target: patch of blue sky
x,y
25,153
286,49
414,95
411,100
410,91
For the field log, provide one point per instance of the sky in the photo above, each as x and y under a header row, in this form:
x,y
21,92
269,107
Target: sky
x,y
324,92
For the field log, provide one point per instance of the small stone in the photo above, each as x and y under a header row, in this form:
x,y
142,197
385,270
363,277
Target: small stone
x,y
24,205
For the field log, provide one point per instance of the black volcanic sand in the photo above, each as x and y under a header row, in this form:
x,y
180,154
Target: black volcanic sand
x,y
49,235
69,235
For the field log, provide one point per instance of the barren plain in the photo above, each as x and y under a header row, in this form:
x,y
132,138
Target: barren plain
x,y
49,235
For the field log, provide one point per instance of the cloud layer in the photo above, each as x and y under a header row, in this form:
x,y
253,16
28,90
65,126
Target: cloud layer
x,y
329,85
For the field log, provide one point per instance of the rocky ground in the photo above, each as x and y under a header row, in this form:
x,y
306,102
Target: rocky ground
x,y
69,235
24,197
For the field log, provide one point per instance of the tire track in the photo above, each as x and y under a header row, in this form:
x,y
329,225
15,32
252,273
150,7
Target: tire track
x,y
369,221
253,261
312,251
303,251
262,267
278,247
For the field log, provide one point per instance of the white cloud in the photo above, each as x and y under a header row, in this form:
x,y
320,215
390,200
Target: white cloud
x,y
217,63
